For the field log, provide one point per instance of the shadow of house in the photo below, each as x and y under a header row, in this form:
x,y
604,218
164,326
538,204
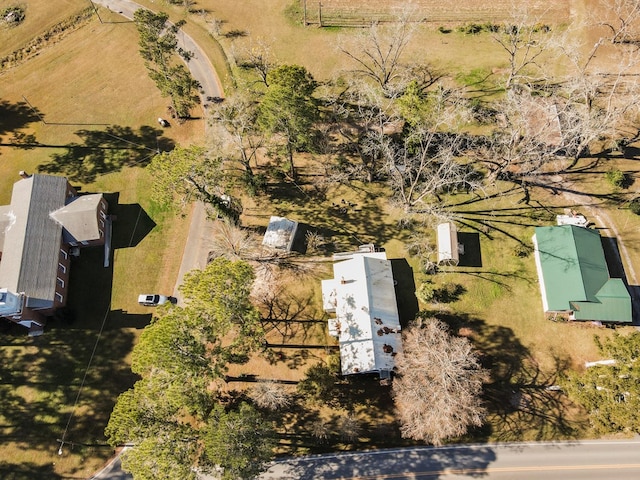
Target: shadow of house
x,y
616,270
405,287
133,224
471,255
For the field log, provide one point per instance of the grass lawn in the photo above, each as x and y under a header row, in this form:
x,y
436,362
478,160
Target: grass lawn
x,y
79,97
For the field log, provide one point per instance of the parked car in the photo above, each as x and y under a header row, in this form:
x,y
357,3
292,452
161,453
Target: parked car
x,y
152,300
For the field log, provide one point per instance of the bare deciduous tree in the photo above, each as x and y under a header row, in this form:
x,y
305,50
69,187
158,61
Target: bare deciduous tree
x,y
365,120
521,40
259,57
626,17
437,392
427,162
270,395
234,125
377,53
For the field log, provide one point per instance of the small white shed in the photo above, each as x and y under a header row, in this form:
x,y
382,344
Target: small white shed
x,y
448,250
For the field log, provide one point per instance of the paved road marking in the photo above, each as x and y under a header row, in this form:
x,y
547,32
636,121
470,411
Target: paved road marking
x,y
471,471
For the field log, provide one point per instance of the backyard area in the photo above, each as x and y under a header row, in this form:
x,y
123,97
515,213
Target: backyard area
x,y
98,130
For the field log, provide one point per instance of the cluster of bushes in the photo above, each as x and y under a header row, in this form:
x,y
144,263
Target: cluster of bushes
x,y
634,205
617,178
476,28
448,292
12,16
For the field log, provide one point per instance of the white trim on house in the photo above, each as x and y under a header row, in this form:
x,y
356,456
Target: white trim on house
x,y
543,289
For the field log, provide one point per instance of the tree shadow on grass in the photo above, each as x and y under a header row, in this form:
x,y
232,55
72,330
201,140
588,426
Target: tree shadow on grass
x,y
107,151
522,398
15,116
62,383
346,220
27,471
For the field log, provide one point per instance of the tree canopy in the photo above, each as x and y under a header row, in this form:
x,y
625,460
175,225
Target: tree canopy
x,y
159,48
174,415
611,393
437,391
288,108
191,173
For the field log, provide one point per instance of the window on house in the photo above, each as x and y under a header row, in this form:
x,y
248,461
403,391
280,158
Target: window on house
x,y
62,268
84,242
59,297
103,205
102,223
102,214
64,254
60,282
101,233
73,244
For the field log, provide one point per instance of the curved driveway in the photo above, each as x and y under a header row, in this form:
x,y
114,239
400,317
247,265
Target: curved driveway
x,y
199,65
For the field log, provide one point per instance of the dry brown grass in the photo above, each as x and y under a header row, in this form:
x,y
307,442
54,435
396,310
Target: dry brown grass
x,y
40,16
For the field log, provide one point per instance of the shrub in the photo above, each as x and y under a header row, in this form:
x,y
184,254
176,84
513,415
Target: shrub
x,y
426,292
449,292
12,16
634,205
443,29
616,178
470,28
521,250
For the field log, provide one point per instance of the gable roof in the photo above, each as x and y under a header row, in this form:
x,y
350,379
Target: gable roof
x,y
78,217
32,239
574,276
363,295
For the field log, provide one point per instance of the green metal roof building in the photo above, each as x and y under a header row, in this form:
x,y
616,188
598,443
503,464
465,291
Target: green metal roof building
x,y
574,277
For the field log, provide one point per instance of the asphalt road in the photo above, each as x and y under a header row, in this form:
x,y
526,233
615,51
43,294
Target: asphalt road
x,y
199,65
112,471
525,461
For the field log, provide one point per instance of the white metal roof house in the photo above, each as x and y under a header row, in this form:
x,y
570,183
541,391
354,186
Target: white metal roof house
x,y
45,219
362,296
